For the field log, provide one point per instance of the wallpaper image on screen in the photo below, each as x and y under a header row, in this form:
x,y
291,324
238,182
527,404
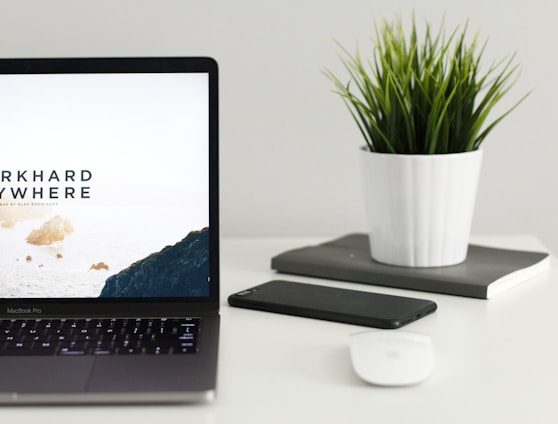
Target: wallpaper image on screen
x,y
104,186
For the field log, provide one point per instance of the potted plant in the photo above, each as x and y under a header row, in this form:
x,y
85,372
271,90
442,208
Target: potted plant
x,y
422,106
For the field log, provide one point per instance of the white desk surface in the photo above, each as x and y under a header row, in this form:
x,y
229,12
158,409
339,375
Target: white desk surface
x,y
496,360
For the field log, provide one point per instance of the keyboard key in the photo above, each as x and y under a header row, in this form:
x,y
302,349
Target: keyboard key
x,y
103,351
129,351
71,351
27,352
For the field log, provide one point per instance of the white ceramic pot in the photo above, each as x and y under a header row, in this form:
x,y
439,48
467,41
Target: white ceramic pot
x,y
420,207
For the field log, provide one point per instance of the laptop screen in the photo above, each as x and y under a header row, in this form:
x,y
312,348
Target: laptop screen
x,y
105,184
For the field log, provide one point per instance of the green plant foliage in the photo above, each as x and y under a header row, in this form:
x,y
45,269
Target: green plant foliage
x,y
428,97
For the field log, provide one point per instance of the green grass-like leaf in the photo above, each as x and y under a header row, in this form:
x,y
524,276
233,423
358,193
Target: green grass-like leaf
x,y
424,97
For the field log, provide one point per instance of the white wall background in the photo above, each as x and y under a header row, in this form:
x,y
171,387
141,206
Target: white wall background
x,y
288,146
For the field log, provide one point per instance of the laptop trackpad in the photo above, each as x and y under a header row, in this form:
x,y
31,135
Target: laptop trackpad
x,y
141,373
44,374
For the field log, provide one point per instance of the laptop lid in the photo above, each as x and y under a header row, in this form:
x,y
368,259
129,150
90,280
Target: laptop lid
x,y
108,187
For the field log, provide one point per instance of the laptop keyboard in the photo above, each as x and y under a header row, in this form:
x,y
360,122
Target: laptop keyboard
x,y
71,337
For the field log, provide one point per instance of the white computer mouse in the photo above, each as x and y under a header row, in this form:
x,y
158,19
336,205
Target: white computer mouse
x,y
392,358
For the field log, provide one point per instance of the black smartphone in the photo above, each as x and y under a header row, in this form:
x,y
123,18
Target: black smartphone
x,y
333,304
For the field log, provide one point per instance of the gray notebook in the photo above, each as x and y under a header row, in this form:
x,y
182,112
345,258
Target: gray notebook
x,y
485,273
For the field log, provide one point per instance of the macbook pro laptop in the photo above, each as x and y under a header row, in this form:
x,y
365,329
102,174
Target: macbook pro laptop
x,y
109,240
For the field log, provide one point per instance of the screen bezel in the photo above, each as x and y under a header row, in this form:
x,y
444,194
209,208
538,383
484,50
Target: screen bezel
x,y
55,307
